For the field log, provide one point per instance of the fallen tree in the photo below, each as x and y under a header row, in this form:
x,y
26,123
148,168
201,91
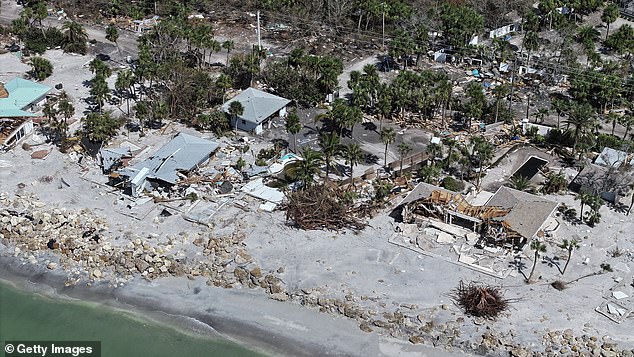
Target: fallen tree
x,y
322,207
480,300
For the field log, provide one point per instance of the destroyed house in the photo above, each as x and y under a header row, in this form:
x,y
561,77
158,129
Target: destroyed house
x,y
610,182
167,166
510,217
259,108
18,98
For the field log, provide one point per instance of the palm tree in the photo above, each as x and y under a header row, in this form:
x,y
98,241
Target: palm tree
x,y
309,166
293,126
519,183
569,246
123,84
627,121
499,92
75,38
67,110
228,45
541,114
403,149
581,117
585,198
610,14
41,68
433,150
235,110
483,152
555,182
538,247
224,83
387,137
329,144
99,90
112,35
353,155
587,35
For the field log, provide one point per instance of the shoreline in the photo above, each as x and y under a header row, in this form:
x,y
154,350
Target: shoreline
x,y
240,316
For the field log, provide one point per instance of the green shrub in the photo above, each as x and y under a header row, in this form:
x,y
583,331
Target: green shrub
x,y
452,184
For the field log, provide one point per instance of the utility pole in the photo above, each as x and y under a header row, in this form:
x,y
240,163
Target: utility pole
x,y
259,39
512,89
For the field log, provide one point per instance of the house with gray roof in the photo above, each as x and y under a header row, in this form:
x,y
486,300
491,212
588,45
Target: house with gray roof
x,y
259,108
167,166
19,98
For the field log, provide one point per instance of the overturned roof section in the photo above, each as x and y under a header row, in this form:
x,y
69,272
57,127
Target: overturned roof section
x,y
20,94
613,158
258,105
183,153
527,212
421,191
3,92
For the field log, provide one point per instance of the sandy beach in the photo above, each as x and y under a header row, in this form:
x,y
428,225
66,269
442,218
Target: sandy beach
x,y
246,317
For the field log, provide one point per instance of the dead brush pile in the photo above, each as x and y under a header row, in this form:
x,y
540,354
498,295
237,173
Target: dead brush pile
x,y
321,207
480,300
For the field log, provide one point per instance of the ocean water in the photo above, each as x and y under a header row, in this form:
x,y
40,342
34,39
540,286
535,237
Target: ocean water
x,y
28,316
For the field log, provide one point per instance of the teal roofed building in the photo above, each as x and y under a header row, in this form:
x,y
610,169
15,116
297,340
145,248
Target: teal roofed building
x,y
19,98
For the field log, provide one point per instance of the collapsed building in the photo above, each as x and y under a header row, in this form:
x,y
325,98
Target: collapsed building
x,y
19,99
510,218
165,168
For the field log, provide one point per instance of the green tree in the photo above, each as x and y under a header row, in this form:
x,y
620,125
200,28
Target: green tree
x,y
387,137
100,127
585,198
353,156
474,107
228,45
622,40
293,126
235,110
500,92
581,118
610,14
41,68
330,149
519,183
112,35
66,108
555,183
99,90
459,23
569,246
308,166
403,150
483,152
75,38
124,86
538,247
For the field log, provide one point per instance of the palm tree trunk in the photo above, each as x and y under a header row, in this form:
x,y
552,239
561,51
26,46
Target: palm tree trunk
x,y
385,156
567,262
530,276
581,213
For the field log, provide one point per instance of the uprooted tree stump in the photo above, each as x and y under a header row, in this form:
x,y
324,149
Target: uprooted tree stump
x,y
480,300
321,207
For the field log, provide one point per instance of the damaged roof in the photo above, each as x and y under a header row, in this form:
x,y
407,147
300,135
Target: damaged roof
x,y
258,105
613,158
20,94
527,213
183,153
421,191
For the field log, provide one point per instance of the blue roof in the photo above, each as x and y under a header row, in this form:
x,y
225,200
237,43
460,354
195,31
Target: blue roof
x,y
183,153
258,105
22,93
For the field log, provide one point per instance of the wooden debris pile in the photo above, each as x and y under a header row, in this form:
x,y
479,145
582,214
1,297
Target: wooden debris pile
x,y
480,300
321,207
